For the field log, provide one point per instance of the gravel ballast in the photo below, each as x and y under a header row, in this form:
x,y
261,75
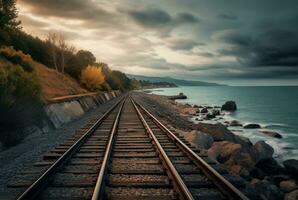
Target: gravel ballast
x,y
17,158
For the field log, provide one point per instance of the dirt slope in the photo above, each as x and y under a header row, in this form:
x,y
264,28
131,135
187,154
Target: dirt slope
x,y
55,84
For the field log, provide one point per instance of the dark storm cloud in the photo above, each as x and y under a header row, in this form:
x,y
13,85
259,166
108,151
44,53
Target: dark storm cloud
x,y
264,48
154,18
227,17
151,18
187,18
241,39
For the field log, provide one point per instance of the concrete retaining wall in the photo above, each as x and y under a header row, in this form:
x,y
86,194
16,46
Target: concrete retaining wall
x,y
62,112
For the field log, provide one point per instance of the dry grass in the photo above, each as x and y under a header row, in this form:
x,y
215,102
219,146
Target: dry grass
x,y
55,84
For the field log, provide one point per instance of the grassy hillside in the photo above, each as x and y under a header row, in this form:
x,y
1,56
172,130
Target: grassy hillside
x,y
52,83
55,84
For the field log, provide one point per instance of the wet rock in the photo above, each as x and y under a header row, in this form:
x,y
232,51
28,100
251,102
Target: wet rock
x,y
251,126
199,139
291,166
243,159
229,106
270,167
218,131
292,195
222,151
215,112
288,186
261,150
234,123
204,110
244,141
195,106
267,190
257,173
210,116
279,178
272,134
239,171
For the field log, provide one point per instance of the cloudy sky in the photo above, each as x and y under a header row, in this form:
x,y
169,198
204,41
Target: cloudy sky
x,y
239,42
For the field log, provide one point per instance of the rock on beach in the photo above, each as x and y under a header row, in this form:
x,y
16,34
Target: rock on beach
x,y
291,166
272,134
229,106
251,126
199,139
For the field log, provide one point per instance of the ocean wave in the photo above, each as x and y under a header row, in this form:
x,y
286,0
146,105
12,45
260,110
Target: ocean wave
x,y
275,125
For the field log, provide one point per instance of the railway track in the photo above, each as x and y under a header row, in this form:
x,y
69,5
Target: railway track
x,y
127,154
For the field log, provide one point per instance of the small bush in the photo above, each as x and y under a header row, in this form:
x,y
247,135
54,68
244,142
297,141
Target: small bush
x,y
20,103
17,57
92,78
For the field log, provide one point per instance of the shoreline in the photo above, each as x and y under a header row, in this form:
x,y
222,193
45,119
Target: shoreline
x,y
284,147
253,161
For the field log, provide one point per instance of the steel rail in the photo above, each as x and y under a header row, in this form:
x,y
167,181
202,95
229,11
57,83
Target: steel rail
x,y
100,183
226,188
36,188
178,182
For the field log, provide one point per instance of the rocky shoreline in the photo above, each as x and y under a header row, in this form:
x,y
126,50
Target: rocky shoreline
x,y
253,162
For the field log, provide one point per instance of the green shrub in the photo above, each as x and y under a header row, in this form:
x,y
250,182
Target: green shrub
x,y
118,81
20,103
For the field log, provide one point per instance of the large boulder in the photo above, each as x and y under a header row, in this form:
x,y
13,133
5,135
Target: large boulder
x,y
288,185
251,126
229,106
267,190
215,112
218,131
261,150
222,151
291,166
199,139
239,171
204,110
243,159
272,134
244,141
292,195
234,123
210,116
270,167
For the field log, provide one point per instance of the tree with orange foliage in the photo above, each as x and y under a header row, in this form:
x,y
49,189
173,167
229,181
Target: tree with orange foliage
x,y
92,78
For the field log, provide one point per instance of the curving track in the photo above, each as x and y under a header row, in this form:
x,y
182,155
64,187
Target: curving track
x,y
127,154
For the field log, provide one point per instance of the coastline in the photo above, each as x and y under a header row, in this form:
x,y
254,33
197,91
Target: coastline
x,y
254,161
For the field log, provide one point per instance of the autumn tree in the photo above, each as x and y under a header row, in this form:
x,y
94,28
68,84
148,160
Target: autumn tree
x,y
92,77
8,15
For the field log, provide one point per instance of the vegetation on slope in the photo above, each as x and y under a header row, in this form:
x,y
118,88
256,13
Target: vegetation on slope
x,y
20,102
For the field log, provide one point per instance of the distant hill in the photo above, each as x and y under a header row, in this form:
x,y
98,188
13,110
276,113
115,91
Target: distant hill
x,y
179,82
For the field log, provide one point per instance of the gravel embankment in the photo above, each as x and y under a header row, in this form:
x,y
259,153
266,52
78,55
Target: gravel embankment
x,y
165,109
23,155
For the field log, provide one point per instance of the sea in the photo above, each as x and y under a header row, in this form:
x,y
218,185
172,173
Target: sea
x,y
275,108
